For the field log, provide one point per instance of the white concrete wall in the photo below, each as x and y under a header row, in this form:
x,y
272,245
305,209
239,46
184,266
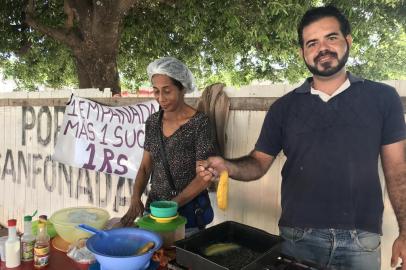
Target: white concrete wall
x,y
30,181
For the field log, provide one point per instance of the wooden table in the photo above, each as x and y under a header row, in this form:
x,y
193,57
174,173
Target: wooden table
x,y
57,261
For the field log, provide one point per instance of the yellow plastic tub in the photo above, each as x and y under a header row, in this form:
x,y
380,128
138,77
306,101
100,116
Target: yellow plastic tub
x,y
66,220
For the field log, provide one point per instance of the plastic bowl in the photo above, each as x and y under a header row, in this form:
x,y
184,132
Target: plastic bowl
x,y
66,220
117,248
164,209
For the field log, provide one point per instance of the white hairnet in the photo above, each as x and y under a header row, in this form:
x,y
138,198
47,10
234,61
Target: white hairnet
x,y
173,68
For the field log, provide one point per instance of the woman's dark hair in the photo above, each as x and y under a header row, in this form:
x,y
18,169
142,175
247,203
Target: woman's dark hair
x,y
177,83
318,13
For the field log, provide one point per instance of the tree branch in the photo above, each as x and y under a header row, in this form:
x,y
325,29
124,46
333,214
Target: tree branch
x,y
69,14
25,43
24,48
65,37
82,9
58,34
124,6
30,8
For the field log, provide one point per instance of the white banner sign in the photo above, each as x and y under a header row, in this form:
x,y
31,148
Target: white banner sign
x,y
103,138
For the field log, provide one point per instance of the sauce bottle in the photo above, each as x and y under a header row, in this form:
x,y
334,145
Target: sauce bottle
x,y
41,247
12,245
27,241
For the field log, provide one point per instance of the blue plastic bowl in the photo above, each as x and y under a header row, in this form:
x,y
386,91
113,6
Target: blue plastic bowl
x,y
117,249
164,209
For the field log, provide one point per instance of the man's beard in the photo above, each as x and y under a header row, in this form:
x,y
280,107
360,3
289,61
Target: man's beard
x,y
328,69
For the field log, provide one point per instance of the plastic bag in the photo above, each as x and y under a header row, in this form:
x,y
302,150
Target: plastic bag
x,y
79,253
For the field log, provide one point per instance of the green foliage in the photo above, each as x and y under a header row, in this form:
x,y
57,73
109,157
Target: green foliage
x,y
34,68
232,41
30,58
379,49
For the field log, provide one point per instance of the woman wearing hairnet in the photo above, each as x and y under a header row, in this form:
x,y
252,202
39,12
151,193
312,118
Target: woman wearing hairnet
x,y
178,132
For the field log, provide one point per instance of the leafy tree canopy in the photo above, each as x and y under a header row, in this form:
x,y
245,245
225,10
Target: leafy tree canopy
x,y
232,41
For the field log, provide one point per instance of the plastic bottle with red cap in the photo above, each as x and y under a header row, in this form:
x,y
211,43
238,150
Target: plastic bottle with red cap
x,y
12,245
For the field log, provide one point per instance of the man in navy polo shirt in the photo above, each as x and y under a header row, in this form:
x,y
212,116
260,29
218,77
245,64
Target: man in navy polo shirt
x,y
332,130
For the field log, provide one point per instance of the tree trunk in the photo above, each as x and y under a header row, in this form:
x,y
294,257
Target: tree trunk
x,y
83,77
97,68
94,38
96,52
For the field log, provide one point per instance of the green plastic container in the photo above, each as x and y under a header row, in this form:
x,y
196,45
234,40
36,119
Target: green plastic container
x,y
164,209
170,232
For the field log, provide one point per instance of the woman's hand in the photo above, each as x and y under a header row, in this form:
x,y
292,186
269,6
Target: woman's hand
x,y
136,209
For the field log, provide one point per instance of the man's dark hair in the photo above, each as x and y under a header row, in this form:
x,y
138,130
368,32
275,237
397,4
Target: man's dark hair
x,y
318,13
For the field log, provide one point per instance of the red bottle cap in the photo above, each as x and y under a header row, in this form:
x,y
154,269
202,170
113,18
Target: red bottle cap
x,y
12,222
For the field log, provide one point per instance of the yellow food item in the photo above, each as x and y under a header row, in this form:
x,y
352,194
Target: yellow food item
x,y
217,249
145,248
222,191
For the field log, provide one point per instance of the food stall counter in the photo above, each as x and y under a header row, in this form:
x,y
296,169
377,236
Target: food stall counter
x,y
57,261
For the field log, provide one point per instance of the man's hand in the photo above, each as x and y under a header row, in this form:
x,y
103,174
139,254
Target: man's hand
x,y
399,251
136,209
210,169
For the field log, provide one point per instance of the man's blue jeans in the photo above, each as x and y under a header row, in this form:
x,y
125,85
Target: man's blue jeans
x,y
333,249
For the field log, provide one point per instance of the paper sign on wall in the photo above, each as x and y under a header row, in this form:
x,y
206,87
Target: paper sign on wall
x,y
103,138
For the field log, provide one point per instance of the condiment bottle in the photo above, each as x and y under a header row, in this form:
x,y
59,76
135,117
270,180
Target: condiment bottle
x,y
43,218
27,241
41,248
12,245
